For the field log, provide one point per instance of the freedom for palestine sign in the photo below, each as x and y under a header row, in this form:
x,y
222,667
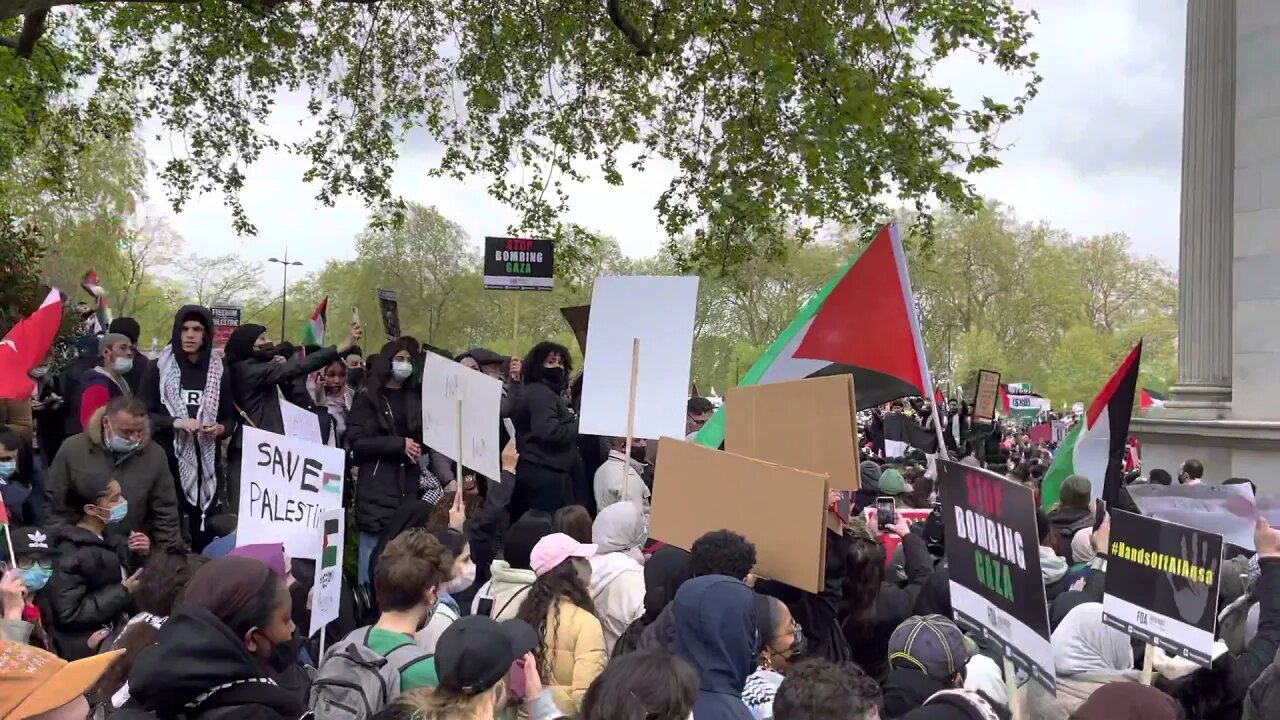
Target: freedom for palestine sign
x,y
518,264
993,553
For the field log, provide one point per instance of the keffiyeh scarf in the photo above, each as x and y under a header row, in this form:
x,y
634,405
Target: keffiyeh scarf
x,y
197,476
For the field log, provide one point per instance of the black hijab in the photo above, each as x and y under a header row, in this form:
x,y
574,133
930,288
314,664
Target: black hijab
x,y
240,344
664,572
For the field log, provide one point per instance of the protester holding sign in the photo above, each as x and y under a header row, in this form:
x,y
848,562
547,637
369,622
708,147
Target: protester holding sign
x,y
1087,654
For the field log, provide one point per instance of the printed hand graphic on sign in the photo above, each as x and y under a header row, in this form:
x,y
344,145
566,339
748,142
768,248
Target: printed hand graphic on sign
x,y
1192,597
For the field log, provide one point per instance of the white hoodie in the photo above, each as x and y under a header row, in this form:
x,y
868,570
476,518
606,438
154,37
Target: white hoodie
x,y
617,589
507,587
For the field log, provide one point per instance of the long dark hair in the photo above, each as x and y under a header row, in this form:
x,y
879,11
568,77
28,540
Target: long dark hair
x,y
864,572
544,597
644,685
380,365
533,369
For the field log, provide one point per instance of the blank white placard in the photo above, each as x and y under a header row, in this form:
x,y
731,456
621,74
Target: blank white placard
x,y
444,382
659,310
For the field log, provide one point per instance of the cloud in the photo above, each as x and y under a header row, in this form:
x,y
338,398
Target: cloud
x,y
1096,152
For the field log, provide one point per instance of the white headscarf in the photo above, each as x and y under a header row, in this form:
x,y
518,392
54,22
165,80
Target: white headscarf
x,y
1082,545
620,528
1083,644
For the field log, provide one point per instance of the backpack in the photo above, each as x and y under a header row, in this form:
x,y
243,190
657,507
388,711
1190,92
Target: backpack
x,y
355,682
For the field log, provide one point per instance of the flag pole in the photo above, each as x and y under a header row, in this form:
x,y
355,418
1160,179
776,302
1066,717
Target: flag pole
x,y
8,542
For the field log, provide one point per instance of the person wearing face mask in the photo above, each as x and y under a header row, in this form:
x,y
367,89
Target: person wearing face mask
x,y
570,654
621,477
130,328
221,653
192,409
781,641
20,487
85,593
384,437
105,382
334,396
409,577
462,575
20,620
117,443
353,358
546,432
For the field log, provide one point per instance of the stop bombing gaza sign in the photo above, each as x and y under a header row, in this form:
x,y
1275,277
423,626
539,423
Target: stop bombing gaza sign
x,y
518,264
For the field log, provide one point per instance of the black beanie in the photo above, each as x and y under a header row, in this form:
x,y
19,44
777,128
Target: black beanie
x,y
127,327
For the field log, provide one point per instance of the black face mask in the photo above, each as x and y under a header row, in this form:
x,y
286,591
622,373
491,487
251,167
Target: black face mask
x,y
355,377
638,454
554,375
284,655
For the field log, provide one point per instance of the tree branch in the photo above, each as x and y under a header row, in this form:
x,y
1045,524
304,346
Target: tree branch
x,y
33,25
642,44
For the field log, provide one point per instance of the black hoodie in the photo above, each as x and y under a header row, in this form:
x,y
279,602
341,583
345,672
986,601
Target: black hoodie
x,y
196,653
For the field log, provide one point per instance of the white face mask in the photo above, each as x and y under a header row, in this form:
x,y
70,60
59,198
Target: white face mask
x,y
401,370
123,364
465,578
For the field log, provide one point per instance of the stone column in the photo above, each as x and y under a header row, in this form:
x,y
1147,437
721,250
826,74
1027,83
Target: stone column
x,y
1205,238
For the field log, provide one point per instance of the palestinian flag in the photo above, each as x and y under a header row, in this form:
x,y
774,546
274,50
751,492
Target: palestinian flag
x,y
862,322
319,322
92,286
1004,407
332,543
1149,399
1095,447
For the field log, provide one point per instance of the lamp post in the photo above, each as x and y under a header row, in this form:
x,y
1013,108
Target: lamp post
x,y
284,297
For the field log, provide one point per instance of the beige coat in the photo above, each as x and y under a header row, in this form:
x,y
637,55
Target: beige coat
x,y
1073,690
575,652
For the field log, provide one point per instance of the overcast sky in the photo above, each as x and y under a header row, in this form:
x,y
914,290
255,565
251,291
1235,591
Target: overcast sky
x,y
1097,151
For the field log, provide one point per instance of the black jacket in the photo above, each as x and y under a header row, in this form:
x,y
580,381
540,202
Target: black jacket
x,y
85,594
255,377
195,653
905,690
546,428
141,364
893,605
387,477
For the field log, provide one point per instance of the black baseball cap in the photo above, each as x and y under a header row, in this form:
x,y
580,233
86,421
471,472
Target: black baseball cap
x,y
475,652
29,542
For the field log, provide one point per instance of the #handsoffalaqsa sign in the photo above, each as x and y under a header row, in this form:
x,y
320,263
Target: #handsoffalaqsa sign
x,y
286,485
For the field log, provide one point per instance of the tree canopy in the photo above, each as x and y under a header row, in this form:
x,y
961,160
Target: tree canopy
x,y
773,114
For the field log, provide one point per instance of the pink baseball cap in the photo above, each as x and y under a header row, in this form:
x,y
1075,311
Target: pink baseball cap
x,y
555,549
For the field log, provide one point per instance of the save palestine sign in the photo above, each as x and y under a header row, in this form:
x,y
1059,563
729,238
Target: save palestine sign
x,y
518,264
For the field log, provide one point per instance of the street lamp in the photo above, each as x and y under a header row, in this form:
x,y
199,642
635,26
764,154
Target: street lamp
x,y
284,297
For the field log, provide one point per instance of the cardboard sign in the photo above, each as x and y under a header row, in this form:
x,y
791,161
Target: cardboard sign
x,y
226,318
444,383
987,395
805,424
286,485
518,264
300,422
659,312
1226,510
578,317
1162,585
993,552
781,510
389,308
328,588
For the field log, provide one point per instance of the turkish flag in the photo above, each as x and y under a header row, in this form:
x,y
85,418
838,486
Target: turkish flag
x,y
26,346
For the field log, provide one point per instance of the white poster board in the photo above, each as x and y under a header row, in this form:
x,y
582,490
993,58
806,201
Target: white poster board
x,y
659,311
444,383
327,592
300,422
1226,510
285,486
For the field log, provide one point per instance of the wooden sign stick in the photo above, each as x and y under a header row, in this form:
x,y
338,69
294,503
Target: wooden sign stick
x,y
631,415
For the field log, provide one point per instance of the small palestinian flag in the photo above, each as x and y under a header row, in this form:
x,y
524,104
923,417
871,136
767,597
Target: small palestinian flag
x,y
1149,399
92,286
1095,447
316,326
331,482
332,542
4,516
1004,407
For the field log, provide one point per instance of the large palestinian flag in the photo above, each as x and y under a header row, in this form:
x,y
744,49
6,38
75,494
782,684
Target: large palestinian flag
x,y
1095,447
863,322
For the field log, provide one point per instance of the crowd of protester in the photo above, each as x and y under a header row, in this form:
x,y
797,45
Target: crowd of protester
x,y
536,594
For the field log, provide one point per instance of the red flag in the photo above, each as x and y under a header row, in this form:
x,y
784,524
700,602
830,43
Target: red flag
x,y
938,400
4,515
26,346
1004,400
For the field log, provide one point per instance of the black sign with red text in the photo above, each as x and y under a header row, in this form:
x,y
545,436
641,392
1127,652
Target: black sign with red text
x,y
518,264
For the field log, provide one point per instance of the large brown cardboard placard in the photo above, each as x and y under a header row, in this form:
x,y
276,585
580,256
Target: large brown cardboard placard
x,y
805,424
986,396
779,509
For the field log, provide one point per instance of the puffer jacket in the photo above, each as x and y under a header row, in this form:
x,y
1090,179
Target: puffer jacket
x,y
144,477
617,589
84,593
575,652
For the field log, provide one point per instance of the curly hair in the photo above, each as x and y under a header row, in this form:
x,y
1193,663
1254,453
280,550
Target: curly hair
x,y
413,562
543,600
722,552
166,576
820,690
537,357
